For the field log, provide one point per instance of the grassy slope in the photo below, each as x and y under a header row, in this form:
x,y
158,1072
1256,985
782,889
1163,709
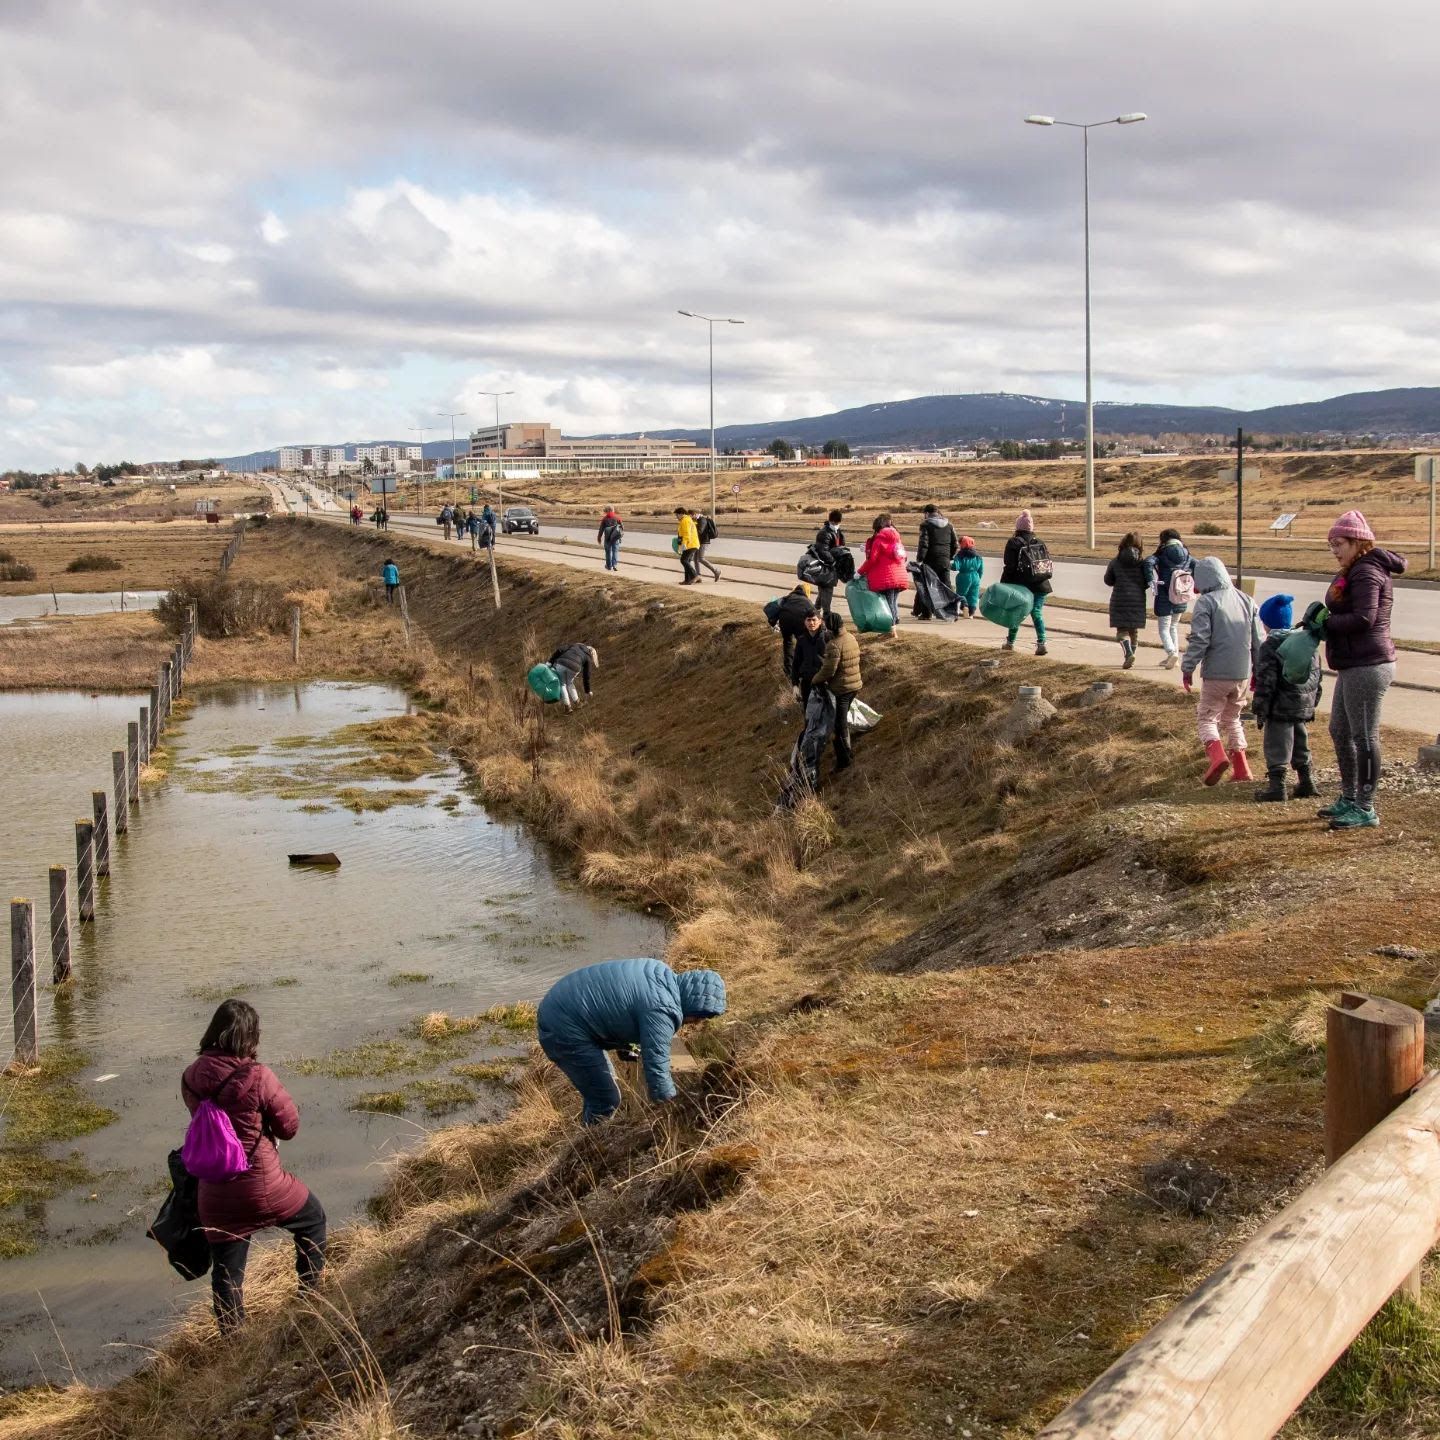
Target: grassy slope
x,y
917,1193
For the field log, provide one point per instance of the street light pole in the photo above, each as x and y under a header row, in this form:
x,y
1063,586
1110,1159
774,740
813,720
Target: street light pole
x,y
711,321
420,429
452,416
1131,119
499,478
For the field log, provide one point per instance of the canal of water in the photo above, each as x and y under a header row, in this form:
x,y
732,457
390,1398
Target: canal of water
x,y
21,608
436,907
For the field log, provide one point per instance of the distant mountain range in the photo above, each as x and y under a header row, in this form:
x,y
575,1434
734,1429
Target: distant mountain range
x,y
933,420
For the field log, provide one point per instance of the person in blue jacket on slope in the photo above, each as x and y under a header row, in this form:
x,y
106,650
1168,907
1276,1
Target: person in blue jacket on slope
x,y
616,1005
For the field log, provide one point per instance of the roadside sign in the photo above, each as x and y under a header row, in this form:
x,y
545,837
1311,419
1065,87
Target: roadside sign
x,y
1284,522
384,485
734,489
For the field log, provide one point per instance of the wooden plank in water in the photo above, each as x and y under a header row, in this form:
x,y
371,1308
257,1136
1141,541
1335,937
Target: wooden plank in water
x,y
329,858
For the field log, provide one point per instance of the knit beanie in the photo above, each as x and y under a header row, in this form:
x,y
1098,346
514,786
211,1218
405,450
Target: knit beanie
x,y
1351,526
1024,522
1278,612
966,540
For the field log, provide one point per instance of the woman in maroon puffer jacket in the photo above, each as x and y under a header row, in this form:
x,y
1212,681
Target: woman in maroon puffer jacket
x,y
265,1195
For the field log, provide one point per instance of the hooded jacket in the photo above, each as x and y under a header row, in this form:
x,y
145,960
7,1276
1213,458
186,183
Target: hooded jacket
x,y
390,574
1360,601
628,1002
790,613
884,565
1126,576
840,669
937,545
1160,566
1010,572
689,535
1225,633
572,660
261,1112
1275,697
611,527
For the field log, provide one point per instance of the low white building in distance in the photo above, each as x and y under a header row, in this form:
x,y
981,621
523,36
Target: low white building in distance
x,y
531,447
316,459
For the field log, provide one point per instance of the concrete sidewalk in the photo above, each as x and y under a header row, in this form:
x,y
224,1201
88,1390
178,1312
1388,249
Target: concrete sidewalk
x,y
1078,637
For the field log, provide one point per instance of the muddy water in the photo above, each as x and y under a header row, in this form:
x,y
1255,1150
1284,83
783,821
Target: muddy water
x,y
20,608
435,907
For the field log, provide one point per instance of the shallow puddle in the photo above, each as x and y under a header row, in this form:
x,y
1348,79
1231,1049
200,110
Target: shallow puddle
x,y
435,908
21,608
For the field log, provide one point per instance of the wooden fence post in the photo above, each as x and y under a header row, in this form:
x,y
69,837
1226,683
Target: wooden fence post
x,y
143,753
404,613
295,634
122,791
132,762
154,737
494,577
85,869
100,807
59,924
22,981
1374,1058
167,686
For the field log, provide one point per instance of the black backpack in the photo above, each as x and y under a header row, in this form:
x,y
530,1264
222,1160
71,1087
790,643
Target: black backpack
x,y
1033,561
708,532
814,569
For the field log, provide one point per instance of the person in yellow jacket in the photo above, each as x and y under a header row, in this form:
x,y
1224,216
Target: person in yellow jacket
x,y
689,534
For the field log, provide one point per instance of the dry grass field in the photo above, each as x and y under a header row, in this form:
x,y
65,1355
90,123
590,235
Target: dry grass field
x,y
983,994
152,555
125,502
983,498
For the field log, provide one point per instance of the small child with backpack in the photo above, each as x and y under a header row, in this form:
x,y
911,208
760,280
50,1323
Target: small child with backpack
x,y
1224,647
1284,709
969,568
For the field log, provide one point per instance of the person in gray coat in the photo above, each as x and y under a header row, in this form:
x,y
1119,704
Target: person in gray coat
x,y
1224,647
572,662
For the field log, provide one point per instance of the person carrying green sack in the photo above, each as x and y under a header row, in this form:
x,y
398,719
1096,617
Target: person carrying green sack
x,y
1028,565
1283,705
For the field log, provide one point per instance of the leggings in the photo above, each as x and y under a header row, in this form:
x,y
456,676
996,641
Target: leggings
x,y
1169,633
228,1259
1037,618
1355,729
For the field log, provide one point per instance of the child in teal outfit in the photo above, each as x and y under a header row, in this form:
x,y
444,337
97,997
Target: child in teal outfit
x,y
969,566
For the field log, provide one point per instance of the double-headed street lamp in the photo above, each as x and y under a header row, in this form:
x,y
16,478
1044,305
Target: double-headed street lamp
x,y
452,416
495,395
711,321
1131,119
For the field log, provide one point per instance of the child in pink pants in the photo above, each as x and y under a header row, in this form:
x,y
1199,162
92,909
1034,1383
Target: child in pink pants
x,y
1225,640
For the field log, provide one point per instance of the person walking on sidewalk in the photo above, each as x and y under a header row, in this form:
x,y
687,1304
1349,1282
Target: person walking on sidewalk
x,y
610,533
1171,570
969,567
935,549
1127,577
706,529
1359,649
1224,646
829,546
1283,709
689,537
264,1195
1027,564
883,568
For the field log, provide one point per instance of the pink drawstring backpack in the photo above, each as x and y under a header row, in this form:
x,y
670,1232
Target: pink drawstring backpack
x,y
212,1151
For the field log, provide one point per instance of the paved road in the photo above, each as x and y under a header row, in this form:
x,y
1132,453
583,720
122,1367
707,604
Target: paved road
x,y
1417,608
1077,636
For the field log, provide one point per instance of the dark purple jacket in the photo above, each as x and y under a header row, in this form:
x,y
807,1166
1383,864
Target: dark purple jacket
x,y
259,1108
1360,599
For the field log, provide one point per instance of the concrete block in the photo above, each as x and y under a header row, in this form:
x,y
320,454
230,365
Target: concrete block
x,y
1030,712
1100,690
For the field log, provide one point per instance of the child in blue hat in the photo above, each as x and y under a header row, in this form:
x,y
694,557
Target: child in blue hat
x,y
1283,709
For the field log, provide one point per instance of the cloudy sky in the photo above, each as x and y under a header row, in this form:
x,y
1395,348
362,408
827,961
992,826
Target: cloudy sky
x,y
330,221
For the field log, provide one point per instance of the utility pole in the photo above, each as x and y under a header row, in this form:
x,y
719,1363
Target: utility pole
x,y
418,430
1239,507
452,416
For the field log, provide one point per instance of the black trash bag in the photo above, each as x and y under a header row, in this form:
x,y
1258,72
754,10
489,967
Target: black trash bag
x,y
934,599
803,777
844,564
814,569
176,1228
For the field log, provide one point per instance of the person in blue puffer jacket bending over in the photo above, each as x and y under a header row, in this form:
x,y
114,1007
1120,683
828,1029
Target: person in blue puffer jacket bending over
x,y
616,1005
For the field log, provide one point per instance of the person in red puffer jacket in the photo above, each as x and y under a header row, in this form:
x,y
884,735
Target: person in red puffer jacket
x,y
883,569
265,1195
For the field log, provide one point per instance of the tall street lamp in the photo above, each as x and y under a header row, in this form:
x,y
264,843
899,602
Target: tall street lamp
x,y
1131,119
711,321
420,431
499,476
452,416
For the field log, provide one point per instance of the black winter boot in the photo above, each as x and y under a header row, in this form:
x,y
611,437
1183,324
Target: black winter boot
x,y
1305,790
1275,790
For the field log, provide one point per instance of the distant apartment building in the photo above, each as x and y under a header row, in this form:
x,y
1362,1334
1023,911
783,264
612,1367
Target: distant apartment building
x,y
399,458
317,459
533,447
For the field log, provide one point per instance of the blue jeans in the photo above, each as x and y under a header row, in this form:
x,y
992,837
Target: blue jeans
x,y
612,554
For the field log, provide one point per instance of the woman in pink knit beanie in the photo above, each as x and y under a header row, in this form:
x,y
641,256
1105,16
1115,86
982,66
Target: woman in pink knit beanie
x,y
1359,649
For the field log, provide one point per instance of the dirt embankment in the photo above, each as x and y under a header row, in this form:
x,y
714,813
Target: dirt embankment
x,y
978,989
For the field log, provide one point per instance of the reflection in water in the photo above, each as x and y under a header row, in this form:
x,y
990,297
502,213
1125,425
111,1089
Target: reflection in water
x,y
435,907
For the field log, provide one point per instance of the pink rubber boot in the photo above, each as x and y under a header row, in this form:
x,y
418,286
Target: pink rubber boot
x,y
1219,762
1239,766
